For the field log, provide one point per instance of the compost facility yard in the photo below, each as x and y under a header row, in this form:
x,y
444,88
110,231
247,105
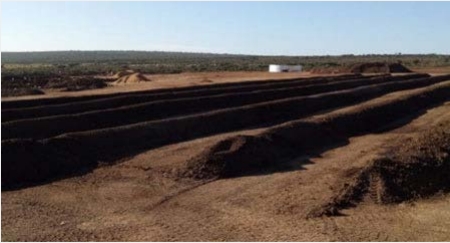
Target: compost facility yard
x,y
347,157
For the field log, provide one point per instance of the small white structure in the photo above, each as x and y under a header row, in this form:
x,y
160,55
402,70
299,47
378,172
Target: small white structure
x,y
275,68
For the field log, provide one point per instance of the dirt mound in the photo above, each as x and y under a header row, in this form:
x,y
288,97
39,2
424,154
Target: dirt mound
x,y
187,91
132,78
330,70
414,169
43,107
212,162
122,74
40,160
76,83
8,92
225,105
264,153
379,67
18,85
159,110
232,157
206,80
417,169
358,68
85,84
279,143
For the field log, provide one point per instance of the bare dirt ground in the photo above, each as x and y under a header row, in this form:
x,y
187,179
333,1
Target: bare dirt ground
x,y
433,70
136,200
143,197
158,81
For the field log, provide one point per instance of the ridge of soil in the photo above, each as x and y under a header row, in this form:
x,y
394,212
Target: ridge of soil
x,y
416,168
48,157
245,154
359,68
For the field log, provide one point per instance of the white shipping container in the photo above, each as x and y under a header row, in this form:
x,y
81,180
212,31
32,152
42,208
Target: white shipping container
x,y
275,68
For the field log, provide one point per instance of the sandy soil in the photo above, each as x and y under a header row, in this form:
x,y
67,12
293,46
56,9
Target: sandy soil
x,y
143,198
433,70
139,199
159,81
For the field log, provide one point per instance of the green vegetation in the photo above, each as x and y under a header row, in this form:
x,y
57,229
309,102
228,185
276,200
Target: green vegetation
x,y
103,62
36,69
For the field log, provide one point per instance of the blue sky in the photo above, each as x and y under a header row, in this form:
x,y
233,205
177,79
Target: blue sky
x,y
266,28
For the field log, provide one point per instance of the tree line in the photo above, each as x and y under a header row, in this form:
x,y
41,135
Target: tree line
x,y
72,63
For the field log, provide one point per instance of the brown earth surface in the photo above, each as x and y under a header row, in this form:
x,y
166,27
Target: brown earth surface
x,y
159,81
433,70
370,67
273,169
131,78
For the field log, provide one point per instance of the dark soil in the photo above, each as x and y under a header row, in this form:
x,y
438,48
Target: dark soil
x,y
76,84
8,92
180,92
417,168
379,67
359,68
41,127
247,155
20,86
136,99
86,149
303,137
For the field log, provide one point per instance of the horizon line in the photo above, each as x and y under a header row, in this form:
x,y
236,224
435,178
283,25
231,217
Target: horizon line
x,y
236,54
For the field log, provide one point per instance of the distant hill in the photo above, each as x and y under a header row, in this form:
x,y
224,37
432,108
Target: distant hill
x,y
43,65
104,56
152,57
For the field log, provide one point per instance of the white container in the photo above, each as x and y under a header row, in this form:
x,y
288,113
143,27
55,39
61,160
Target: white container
x,y
275,68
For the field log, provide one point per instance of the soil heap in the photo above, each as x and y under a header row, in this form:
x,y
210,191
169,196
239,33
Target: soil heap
x,y
358,68
132,78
